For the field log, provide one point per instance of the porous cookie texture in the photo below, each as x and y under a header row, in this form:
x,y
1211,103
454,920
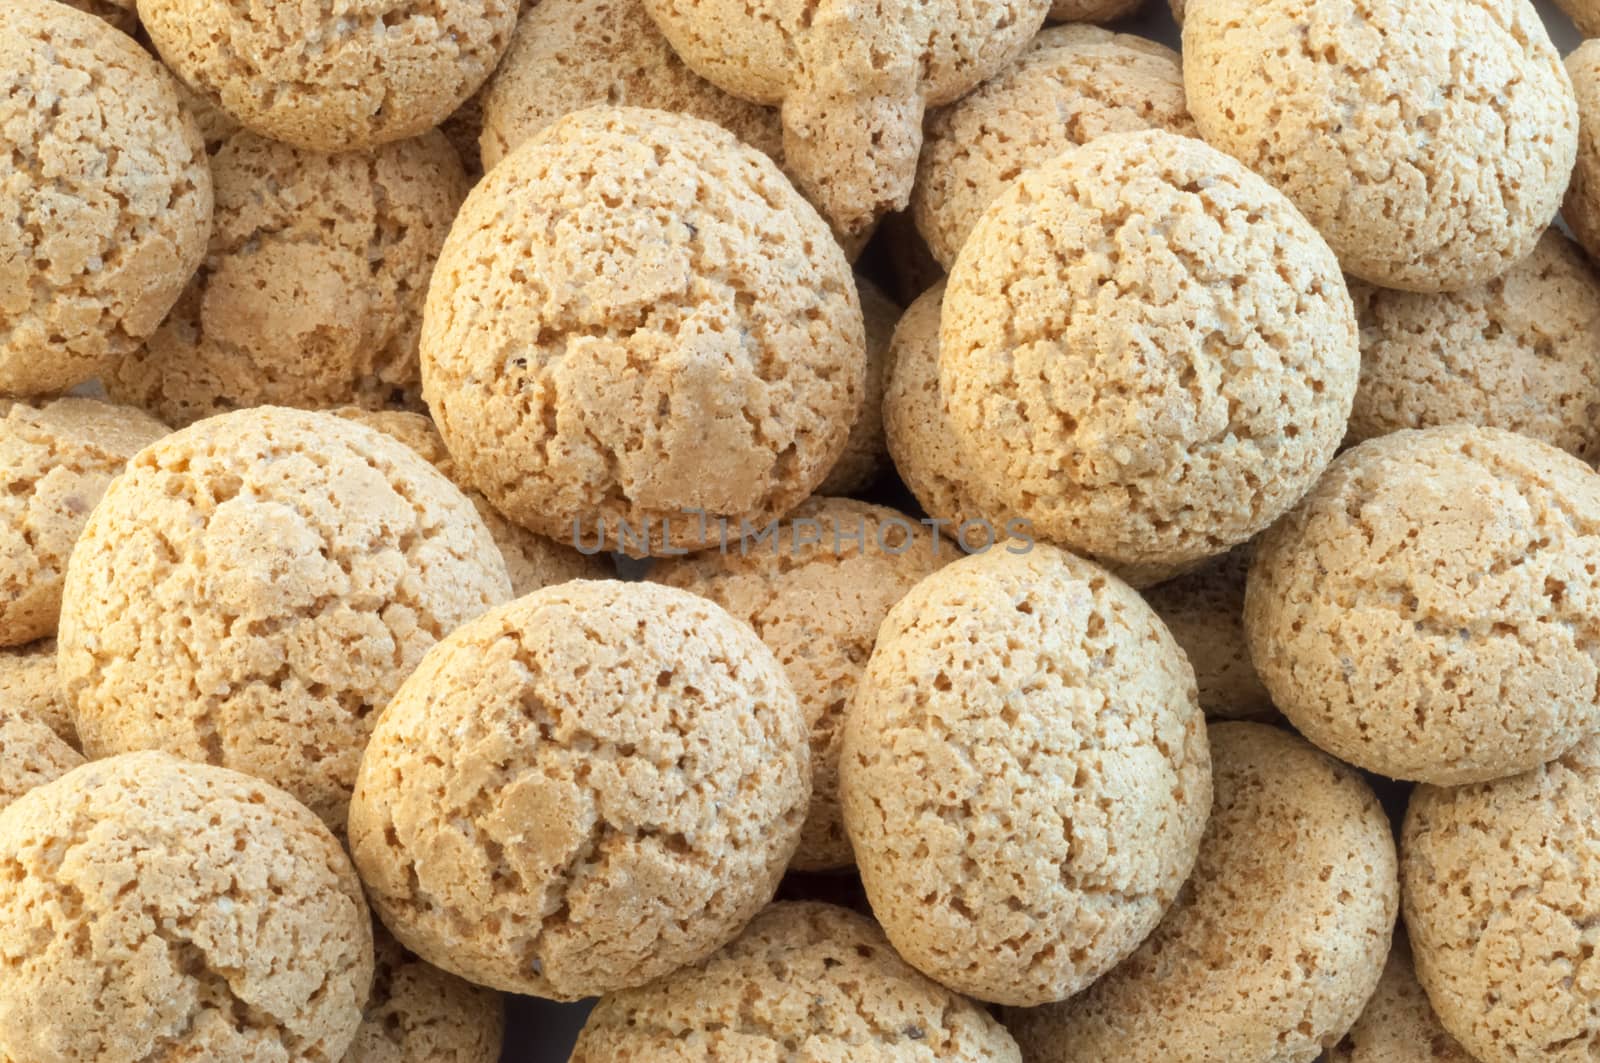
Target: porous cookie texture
x,y
28,679
582,791
1585,14
1277,941
120,13
865,454
1398,1025
1204,610
1429,142
1147,352
30,754
56,459
153,908
1581,209
853,79
816,598
419,1014
1092,10
1502,905
1024,774
1429,612
333,77
311,291
106,201
1074,83
801,974
1521,352
254,588
635,318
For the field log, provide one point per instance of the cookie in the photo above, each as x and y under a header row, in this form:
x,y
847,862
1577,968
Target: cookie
x,y
331,77
106,203
1428,611
1502,905
1024,774
816,598
1585,14
865,454
853,79
28,680
311,292
419,1014
159,909
1430,142
30,753
56,459
637,328
120,13
1398,1025
1092,10
1581,209
801,974
1147,352
1074,83
582,791
1204,610
254,588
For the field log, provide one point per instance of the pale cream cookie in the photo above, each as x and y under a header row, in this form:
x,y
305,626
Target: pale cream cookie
x,y
30,755
1398,1024
419,1014
1204,610
865,453
28,679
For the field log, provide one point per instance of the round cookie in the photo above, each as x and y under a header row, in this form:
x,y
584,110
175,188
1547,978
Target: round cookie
x,y
1429,141
419,1014
160,909
1092,10
816,600
56,459
254,588
801,974
1429,611
1585,15
865,454
636,318
106,203
311,292
1024,774
120,13
1581,208
28,679
329,77
1277,941
1147,352
582,791
30,753
1502,905
1074,83
1204,610
1398,1025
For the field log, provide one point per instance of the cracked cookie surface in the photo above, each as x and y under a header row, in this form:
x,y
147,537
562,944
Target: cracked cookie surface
x,y
1398,1024
28,678
865,453
30,753
419,1014
1204,610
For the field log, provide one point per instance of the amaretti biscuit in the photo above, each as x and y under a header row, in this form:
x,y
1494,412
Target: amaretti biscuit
x,y
1429,142
582,791
638,326
162,909
106,202
254,588
801,974
1024,774
1204,610
1581,208
1275,944
1585,14
28,679
1398,1024
120,13
1147,353
865,453
419,1014
1428,611
1092,10
30,753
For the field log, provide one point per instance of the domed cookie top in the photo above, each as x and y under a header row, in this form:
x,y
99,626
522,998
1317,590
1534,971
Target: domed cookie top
x,y
865,454
1581,208
1429,141
1204,610
1429,611
419,1014
28,679
105,206
1398,1024
30,753
635,318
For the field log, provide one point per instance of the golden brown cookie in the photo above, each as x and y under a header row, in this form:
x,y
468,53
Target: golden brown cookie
x,y
1204,610
635,318
1585,14
1147,352
311,292
1428,612
104,205
56,459
254,588
333,77
1429,141
28,679
1398,1025
582,791
1074,83
419,1014
159,909
1275,944
1581,209
801,974
30,755
1024,774
120,13
865,455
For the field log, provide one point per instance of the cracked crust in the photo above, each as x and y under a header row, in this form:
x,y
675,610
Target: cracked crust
x,y
28,679
31,754
1275,944
865,454
1502,904
56,459
419,1014
1398,1024
1024,774
1074,83
802,974
1204,610
156,909
1210,321
582,791
1581,208
818,607
254,588
636,317
333,77
107,196
1431,610
1430,141
311,291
